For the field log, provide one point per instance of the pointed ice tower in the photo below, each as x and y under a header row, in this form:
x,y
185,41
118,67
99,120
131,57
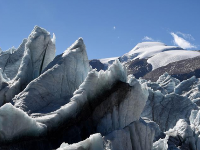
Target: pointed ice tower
x,y
39,52
58,82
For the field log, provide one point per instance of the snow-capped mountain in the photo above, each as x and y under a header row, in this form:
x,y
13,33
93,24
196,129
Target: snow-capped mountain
x,y
146,50
146,57
60,102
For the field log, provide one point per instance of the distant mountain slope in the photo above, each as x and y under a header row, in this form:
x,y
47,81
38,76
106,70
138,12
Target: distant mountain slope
x,y
182,70
138,67
164,58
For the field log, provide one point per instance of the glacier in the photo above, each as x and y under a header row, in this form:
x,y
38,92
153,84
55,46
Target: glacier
x,y
178,117
39,51
60,102
66,72
10,60
77,105
94,142
14,123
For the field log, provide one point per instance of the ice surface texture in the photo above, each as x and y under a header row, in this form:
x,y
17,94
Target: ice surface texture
x,y
44,96
39,51
182,136
165,106
14,123
94,142
128,138
61,99
104,100
10,60
120,104
56,85
173,108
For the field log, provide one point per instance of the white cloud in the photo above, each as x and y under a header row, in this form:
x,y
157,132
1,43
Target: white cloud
x,y
146,38
186,36
114,27
181,42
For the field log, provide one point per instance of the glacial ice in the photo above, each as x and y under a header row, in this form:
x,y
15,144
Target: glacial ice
x,y
10,60
130,137
94,142
112,104
123,114
103,80
161,144
182,136
66,72
127,138
15,123
61,99
164,105
178,116
39,51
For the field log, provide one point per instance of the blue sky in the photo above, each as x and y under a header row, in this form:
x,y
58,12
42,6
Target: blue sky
x,y
109,27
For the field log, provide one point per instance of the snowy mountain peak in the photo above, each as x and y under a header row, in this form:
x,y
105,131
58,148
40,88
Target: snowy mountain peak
x,y
153,46
151,54
147,44
146,50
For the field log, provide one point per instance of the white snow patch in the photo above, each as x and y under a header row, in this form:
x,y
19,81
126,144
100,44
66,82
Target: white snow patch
x,y
147,49
164,58
107,60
